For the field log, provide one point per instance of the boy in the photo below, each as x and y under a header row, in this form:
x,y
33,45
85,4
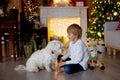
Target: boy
x,y
77,51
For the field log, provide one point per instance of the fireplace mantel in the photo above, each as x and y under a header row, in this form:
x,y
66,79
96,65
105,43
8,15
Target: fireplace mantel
x,y
64,12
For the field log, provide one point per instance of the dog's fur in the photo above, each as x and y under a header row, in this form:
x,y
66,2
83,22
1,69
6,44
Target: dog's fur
x,y
44,58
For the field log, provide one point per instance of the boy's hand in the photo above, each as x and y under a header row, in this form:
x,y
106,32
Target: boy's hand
x,y
62,63
60,69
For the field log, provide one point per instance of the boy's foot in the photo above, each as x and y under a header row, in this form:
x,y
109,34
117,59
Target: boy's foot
x,y
59,70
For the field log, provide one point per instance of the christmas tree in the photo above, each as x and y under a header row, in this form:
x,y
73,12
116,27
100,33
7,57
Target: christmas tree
x,y
104,10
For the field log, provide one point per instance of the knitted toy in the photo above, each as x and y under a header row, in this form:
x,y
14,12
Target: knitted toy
x,y
94,62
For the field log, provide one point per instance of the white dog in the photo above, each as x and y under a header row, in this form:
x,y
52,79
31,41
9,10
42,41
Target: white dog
x,y
44,58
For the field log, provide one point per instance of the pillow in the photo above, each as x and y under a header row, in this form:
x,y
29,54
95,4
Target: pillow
x,y
118,27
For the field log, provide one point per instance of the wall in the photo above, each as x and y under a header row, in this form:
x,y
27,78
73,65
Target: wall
x,y
65,12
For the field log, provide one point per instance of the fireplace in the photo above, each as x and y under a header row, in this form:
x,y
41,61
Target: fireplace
x,y
57,19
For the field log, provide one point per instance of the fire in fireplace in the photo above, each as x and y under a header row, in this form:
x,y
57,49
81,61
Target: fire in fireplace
x,y
57,27
56,19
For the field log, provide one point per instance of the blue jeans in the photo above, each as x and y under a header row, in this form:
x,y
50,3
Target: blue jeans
x,y
71,68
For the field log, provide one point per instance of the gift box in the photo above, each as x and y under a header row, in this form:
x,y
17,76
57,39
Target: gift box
x,y
79,2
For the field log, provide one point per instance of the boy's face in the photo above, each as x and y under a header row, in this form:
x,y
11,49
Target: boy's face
x,y
71,37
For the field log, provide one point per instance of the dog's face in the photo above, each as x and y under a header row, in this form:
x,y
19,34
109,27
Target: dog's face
x,y
55,46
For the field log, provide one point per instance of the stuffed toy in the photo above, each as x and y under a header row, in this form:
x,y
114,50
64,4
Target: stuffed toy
x,y
94,62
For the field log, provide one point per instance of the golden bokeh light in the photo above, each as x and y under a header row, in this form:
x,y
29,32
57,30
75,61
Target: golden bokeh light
x,y
61,2
57,27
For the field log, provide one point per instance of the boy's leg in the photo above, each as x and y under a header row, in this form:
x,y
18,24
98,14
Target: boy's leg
x,y
61,69
72,68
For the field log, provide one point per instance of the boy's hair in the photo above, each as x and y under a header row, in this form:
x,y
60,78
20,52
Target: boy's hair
x,y
75,29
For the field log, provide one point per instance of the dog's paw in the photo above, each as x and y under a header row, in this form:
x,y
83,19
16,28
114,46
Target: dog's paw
x,y
49,70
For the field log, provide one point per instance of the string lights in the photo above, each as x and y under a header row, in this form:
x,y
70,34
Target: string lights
x,y
29,9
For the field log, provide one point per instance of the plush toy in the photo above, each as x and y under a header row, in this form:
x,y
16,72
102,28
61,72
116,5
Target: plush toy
x,y
94,62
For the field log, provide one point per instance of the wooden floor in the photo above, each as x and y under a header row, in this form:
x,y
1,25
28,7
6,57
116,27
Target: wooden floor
x,y
112,71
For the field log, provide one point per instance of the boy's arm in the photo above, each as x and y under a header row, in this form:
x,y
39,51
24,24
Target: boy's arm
x,y
78,55
66,55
